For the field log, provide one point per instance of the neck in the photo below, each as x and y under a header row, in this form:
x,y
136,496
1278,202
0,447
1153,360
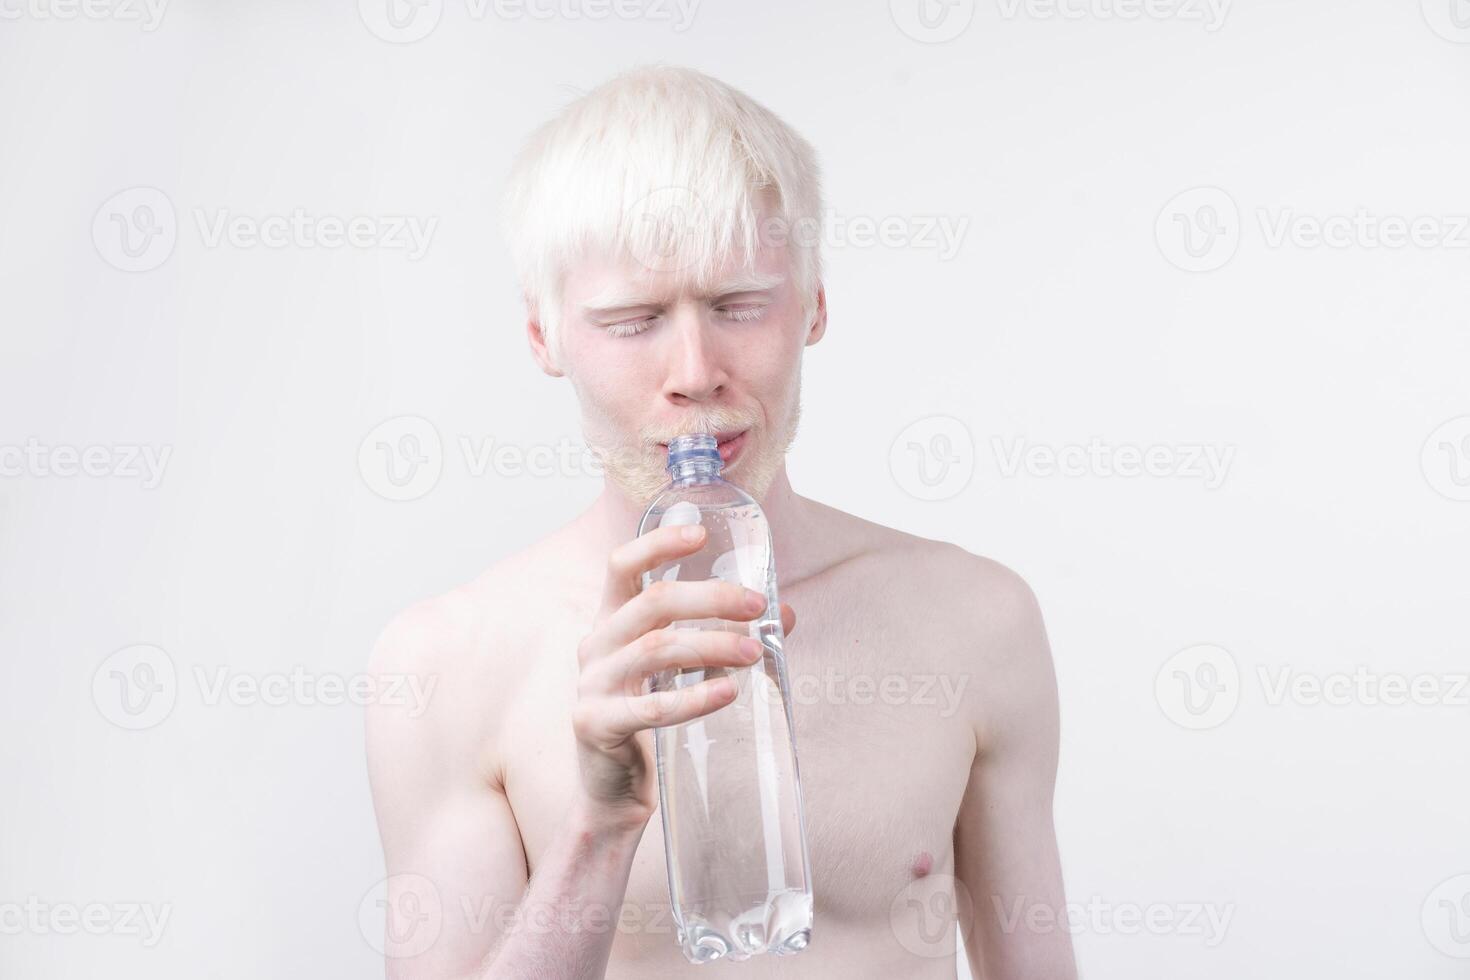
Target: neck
x,y
613,519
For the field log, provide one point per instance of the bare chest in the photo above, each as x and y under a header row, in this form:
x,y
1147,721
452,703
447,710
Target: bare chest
x,y
884,741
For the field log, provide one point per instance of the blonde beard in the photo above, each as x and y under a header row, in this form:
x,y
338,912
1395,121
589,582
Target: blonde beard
x,y
639,469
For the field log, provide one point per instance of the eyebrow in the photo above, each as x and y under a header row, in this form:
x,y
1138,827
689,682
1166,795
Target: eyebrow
x,y
620,298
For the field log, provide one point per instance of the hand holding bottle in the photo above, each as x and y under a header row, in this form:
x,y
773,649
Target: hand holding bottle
x,y
628,644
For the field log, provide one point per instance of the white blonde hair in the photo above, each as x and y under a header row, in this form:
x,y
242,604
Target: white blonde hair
x,y
654,148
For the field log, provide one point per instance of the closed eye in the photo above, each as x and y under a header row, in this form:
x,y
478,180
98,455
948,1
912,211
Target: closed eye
x,y
743,313
629,328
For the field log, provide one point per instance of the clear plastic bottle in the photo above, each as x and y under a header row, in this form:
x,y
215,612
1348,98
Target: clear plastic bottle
x,y
729,787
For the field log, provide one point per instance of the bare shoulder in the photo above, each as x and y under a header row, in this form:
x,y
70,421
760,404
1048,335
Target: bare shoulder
x,y
960,588
975,616
461,647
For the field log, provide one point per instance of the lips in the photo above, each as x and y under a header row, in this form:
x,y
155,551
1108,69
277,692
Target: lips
x,y
730,444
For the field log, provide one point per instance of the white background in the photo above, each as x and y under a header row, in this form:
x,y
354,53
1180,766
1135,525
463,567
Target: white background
x,y
1330,834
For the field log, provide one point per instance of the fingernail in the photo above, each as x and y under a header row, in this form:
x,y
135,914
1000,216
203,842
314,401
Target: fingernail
x,y
693,532
750,647
754,601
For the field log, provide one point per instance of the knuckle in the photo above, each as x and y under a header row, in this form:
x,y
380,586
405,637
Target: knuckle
x,y
581,721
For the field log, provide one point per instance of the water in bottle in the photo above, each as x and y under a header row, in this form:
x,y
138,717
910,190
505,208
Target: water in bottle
x,y
729,787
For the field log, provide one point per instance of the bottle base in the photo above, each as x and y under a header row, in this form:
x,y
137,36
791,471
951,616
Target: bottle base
x,y
781,927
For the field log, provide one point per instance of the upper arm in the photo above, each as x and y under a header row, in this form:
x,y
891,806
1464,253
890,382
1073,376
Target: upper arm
x,y
1005,843
456,867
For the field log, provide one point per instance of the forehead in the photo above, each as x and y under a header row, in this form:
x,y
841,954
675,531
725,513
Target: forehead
x,y
668,257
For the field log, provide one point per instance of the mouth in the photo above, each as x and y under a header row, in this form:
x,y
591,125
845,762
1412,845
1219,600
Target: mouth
x,y
730,444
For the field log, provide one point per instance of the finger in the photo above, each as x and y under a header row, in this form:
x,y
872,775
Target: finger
x,y
629,560
788,619
625,672
664,603
672,707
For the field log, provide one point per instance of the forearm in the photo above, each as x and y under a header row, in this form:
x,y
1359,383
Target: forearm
x,y
565,924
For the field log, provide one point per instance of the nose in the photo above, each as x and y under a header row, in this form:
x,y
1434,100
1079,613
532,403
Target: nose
x,y
695,371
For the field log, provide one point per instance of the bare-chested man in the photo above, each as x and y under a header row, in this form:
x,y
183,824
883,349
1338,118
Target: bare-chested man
x,y
664,228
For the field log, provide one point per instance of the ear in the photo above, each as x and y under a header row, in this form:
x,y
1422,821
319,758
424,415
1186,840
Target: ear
x,y
819,321
540,350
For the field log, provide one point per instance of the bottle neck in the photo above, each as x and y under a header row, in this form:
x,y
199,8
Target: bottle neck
x,y
689,471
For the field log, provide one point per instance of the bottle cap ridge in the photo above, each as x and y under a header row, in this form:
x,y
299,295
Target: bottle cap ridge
x,y
697,445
